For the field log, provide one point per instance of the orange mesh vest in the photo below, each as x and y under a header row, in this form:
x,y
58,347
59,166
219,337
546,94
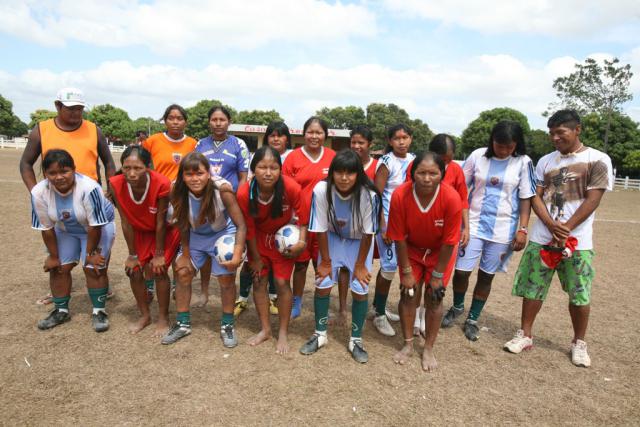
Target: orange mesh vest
x,y
81,143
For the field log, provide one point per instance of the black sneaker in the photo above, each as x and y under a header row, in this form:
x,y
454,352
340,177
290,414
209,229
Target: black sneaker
x,y
313,344
358,352
55,318
450,316
471,330
228,335
100,321
176,332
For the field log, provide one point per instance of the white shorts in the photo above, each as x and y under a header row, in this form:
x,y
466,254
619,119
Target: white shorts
x,y
494,257
72,247
344,254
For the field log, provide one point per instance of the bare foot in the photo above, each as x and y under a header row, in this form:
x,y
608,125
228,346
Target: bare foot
x,y
139,325
258,339
339,320
429,363
404,355
162,326
200,301
282,346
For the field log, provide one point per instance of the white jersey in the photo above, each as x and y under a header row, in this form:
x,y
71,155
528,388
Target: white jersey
x,y
349,225
82,207
222,219
566,180
496,187
397,167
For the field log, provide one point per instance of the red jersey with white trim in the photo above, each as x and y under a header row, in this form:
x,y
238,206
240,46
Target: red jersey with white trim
x,y
305,171
263,223
454,176
425,228
370,169
142,213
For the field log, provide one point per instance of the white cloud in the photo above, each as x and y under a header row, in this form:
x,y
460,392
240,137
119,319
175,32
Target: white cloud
x,y
616,20
447,96
172,27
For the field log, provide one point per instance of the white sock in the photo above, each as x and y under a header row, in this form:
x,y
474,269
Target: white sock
x,y
243,299
273,296
416,322
323,333
65,310
98,310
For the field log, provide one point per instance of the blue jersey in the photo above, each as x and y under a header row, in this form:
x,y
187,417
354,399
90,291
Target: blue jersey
x,y
496,187
345,214
83,206
397,168
207,229
227,159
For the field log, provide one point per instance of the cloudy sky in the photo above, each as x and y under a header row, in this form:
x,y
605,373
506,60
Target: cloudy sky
x,y
443,61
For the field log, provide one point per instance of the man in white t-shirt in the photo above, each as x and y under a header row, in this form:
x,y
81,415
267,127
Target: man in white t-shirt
x,y
570,184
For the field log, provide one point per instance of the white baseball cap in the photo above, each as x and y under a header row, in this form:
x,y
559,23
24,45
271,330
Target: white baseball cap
x,y
70,96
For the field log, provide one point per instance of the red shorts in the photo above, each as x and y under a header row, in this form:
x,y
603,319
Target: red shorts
x,y
145,244
310,251
422,264
452,264
273,260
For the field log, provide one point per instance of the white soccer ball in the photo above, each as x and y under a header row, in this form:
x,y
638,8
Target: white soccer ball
x,y
223,248
286,237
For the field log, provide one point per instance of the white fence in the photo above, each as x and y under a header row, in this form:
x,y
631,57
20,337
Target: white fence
x,y
628,184
19,143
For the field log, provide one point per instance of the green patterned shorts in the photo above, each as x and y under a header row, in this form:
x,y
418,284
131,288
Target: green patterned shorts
x,y
533,278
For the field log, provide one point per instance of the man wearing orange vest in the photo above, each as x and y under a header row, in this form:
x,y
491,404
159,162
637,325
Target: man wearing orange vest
x,y
68,131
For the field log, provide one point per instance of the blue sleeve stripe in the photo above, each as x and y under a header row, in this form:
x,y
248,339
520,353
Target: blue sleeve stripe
x,y
312,218
532,178
96,202
35,222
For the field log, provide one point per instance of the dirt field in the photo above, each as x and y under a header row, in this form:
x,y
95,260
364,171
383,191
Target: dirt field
x,y
71,375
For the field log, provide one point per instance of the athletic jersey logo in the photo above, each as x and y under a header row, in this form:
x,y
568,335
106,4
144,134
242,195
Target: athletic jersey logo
x,y
285,208
228,153
153,209
216,170
438,223
494,180
325,171
341,222
65,214
176,157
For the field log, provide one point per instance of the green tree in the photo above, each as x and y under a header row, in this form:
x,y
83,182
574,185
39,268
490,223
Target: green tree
x,y
382,116
10,124
257,117
113,121
198,120
477,133
631,163
146,124
40,116
343,117
538,144
595,88
623,133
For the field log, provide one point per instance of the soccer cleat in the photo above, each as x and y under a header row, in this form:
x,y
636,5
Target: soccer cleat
x,y
383,326
391,316
471,330
296,308
450,316
228,335
519,343
273,306
100,321
240,307
313,344
357,351
176,332
579,355
55,318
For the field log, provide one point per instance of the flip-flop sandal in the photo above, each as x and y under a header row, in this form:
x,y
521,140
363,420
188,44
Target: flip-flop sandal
x,y
46,300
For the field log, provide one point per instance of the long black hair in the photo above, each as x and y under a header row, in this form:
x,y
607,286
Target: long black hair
x,y
278,192
505,132
180,193
391,133
349,161
279,128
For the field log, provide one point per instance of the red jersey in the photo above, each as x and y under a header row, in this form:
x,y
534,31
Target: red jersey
x,y
141,214
425,229
370,169
454,176
263,223
305,171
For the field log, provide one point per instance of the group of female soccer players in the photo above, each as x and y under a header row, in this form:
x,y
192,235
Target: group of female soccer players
x,y
176,197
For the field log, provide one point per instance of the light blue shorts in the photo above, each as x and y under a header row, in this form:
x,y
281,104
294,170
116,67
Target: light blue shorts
x,y
344,254
388,259
72,247
201,248
494,257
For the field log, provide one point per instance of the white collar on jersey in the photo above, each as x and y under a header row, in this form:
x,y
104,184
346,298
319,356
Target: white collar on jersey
x,y
144,195
433,199
166,135
365,167
310,158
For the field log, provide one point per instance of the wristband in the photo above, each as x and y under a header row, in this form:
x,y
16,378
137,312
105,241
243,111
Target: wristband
x,y
524,230
407,270
437,274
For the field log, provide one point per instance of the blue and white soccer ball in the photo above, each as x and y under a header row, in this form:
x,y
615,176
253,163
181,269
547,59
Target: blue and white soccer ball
x,y
223,248
286,237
